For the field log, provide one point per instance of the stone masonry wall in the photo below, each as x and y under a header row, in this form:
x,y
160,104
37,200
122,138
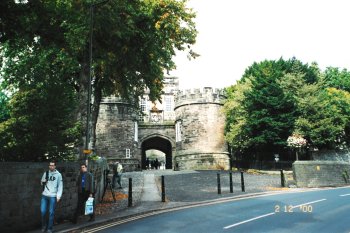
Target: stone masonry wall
x,y
321,173
115,131
20,193
202,123
166,131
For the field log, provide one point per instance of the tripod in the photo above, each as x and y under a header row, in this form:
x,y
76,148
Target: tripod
x,y
108,184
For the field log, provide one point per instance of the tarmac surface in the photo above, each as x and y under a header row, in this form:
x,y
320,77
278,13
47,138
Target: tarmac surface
x,y
182,188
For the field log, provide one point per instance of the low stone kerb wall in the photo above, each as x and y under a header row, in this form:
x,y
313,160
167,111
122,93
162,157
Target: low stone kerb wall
x,y
321,173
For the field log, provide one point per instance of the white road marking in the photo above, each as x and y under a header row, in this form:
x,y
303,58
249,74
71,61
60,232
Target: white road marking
x,y
249,220
343,195
308,203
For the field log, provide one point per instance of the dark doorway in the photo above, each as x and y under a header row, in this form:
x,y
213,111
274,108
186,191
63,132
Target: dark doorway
x,y
157,143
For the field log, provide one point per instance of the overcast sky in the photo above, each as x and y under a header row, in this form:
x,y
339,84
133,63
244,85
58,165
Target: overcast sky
x,y
235,33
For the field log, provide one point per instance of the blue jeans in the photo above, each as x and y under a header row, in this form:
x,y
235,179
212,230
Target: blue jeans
x,y
47,203
116,179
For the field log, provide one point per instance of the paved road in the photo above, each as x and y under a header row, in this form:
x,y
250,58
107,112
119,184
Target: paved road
x,y
324,210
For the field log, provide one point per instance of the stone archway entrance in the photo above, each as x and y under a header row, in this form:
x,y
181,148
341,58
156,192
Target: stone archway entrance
x,y
157,143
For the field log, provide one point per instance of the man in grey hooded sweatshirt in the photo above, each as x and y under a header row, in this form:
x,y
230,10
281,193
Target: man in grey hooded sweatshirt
x,y
53,186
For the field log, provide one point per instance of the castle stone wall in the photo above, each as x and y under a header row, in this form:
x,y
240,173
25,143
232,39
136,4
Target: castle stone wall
x,y
115,132
199,114
166,131
202,121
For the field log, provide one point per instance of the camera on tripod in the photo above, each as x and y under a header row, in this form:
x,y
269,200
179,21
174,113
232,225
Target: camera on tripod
x,y
107,185
108,180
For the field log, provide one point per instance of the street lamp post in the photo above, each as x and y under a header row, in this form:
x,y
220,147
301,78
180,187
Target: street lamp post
x,y
87,149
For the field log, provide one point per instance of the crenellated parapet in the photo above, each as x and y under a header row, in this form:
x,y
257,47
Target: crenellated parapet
x,y
207,95
116,107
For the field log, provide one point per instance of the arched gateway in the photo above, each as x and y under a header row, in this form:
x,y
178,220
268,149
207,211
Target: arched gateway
x,y
160,143
122,136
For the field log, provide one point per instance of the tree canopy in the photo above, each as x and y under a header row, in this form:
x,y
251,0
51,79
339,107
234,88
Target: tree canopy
x,y
276,99
4,111
45,45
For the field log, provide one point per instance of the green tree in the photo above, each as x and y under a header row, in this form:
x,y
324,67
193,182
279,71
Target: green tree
x,y
334,77
236,116
270,111
324,116
133,44
322,108
40,124
4,111
261,109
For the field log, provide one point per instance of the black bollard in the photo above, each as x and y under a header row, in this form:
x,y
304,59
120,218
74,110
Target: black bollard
x,y
231,183
282,178
130,193
242,182
163,190
219,184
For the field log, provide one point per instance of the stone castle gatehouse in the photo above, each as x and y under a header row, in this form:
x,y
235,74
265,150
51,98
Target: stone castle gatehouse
x,y
187,128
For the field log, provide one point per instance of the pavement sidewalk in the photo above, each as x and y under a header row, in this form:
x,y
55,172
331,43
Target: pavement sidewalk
x,y
147,199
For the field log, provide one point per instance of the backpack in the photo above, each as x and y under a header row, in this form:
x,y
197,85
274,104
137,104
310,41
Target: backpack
x,y
46,178
119,168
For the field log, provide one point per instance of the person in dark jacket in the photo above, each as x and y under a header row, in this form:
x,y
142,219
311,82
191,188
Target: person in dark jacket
x,y
85,186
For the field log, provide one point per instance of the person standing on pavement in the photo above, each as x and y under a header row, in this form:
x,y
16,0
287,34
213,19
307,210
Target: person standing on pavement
x,y
117,174
52,193
85,187
147,164
156,164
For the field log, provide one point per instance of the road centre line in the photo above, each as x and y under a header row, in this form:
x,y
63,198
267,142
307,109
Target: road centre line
x,y
269,214
343,195
308,203
249,220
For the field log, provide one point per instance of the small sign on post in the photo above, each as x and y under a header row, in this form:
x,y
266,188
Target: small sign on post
x,y
277,157
87,152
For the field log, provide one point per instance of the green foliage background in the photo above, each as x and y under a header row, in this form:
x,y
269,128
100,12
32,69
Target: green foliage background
x,y
276,98
45,66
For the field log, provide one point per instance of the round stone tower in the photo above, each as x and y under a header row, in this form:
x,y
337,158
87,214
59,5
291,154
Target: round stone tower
x,y
116,132
199,127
